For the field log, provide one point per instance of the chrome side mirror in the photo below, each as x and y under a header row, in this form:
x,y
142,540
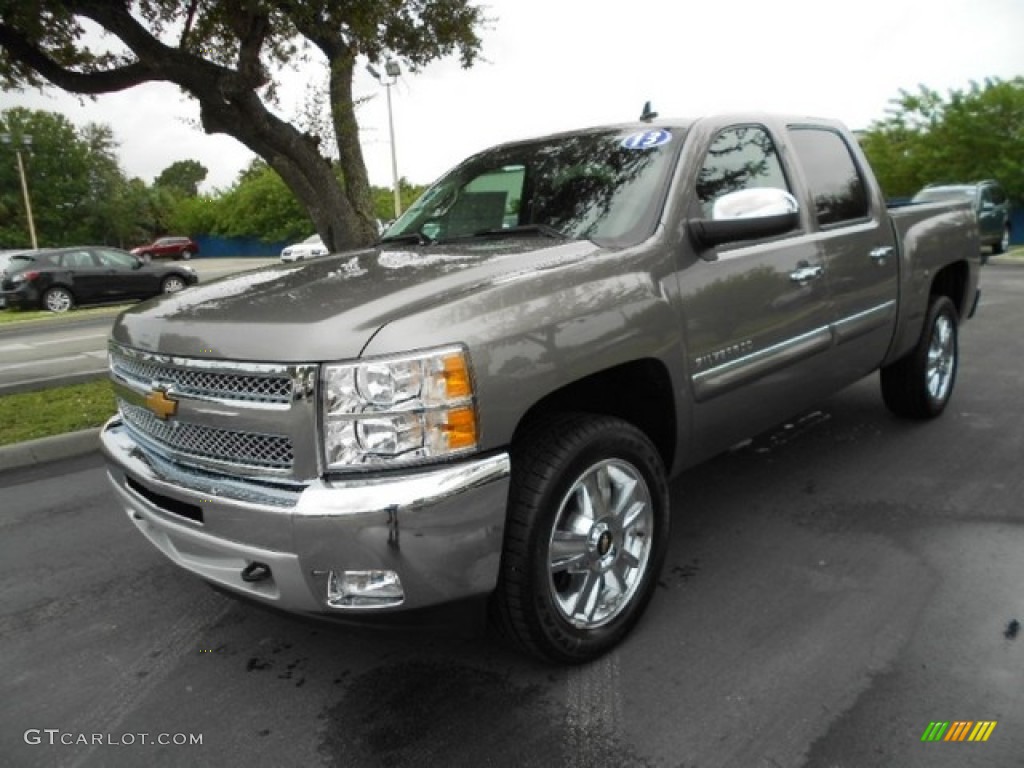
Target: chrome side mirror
x,y
746,214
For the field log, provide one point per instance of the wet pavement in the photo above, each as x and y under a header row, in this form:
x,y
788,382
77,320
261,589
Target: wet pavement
x,y
832,587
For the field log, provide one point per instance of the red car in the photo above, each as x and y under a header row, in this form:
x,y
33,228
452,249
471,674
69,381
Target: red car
x,y
168,247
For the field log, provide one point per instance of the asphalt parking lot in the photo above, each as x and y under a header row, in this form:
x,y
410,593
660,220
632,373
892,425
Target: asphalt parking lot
x,y
832,588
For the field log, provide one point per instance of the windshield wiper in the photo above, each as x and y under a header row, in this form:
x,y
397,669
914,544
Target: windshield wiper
x,y
523,229
412,238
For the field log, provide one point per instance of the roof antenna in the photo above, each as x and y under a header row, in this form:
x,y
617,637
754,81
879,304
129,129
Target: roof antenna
x,y
648,114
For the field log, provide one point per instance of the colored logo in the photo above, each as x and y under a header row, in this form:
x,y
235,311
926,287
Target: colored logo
x,y
647,139
959,730
162,406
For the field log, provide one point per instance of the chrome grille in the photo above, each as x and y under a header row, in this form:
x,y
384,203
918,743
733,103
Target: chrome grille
x,y
245,387
243,448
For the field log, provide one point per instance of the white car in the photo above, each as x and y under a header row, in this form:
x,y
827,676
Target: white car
x,y
309,248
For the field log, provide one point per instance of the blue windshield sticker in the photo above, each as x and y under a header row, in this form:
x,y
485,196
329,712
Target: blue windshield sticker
x,y
647,139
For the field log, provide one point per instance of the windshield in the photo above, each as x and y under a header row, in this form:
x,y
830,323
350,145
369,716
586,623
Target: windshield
x,y
607,185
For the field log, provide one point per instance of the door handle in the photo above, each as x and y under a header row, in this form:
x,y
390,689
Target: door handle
x,y
806,273
880,254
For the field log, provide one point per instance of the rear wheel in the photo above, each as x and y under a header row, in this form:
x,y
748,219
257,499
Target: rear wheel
x,y
585,538
186,255
58,299
920,385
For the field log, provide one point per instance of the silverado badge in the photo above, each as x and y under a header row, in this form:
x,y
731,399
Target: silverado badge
x,y
162,406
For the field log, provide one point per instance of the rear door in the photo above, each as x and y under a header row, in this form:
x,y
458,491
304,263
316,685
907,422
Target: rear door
x,y
858,247
86,279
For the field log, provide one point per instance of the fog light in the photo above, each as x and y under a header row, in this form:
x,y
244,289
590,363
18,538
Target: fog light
x,y
364,589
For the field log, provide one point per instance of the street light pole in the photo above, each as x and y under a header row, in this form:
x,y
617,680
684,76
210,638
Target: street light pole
x,y
27,142
392,70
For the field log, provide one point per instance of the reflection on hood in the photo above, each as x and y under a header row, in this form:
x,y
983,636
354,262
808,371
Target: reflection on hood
x,y
338,301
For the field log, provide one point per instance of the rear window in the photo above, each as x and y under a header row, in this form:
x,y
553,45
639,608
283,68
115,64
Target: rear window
x,y
943,194
840,195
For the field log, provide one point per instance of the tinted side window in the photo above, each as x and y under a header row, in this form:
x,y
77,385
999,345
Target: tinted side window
x,y
115,259
998,196
742,157
76,260
833,178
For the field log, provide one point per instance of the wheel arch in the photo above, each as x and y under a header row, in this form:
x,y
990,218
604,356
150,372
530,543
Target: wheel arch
x,y
639,392
953,281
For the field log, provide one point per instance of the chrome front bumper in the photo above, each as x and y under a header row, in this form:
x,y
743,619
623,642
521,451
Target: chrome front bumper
x,y
440,529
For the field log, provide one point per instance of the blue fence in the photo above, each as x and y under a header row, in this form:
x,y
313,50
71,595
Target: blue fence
x,y
1017,227
211,246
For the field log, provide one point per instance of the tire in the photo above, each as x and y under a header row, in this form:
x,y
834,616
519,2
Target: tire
x,y
58,299
920,385
172,284
186,255
585,538
1004,243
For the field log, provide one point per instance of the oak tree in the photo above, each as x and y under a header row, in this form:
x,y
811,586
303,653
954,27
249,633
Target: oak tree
x,y
228,55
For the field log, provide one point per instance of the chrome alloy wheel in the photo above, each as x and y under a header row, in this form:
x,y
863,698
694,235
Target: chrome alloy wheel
x,y
941,358
173,284
600,544
57,300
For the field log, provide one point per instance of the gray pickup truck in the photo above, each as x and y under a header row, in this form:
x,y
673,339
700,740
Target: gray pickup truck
x,y
492,400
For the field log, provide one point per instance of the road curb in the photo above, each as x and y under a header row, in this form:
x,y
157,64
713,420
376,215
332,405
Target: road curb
x,y
47,449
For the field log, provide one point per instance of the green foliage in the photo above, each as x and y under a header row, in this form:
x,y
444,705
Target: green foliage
x,y
182,177
73,177
971,134
261,205
384,198
228,55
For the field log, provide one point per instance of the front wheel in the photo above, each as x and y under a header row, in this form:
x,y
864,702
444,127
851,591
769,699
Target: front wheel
x,y
172,284
919,385
586,535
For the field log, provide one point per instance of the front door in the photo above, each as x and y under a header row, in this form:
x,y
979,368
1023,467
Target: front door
x,y
756,318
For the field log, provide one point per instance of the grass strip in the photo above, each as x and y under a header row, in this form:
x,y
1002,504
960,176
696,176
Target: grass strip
x,y
29,415
10,316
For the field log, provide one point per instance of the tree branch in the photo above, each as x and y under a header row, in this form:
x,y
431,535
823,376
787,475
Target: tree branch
x,y
88,83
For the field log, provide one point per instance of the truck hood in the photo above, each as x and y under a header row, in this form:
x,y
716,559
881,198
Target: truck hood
x,y
330,308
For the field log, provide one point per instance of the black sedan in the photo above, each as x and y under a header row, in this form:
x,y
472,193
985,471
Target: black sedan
x,y
59,278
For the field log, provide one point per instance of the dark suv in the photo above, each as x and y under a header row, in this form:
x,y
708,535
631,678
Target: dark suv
x,y
173,247
990,204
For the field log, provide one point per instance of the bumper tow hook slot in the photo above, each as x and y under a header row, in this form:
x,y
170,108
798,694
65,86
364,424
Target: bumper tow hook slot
x,y
256,572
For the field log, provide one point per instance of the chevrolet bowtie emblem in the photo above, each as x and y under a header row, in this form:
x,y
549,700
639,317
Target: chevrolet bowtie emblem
x,y
161,405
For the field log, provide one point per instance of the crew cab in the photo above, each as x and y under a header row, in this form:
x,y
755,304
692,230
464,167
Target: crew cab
x,y
492,399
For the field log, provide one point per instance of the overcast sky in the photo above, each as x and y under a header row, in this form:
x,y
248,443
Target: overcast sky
x,y
552,65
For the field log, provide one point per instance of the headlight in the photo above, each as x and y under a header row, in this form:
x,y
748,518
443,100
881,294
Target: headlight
x,y
398,410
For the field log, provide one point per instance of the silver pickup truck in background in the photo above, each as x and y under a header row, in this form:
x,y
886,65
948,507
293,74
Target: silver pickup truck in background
x,y
492,400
